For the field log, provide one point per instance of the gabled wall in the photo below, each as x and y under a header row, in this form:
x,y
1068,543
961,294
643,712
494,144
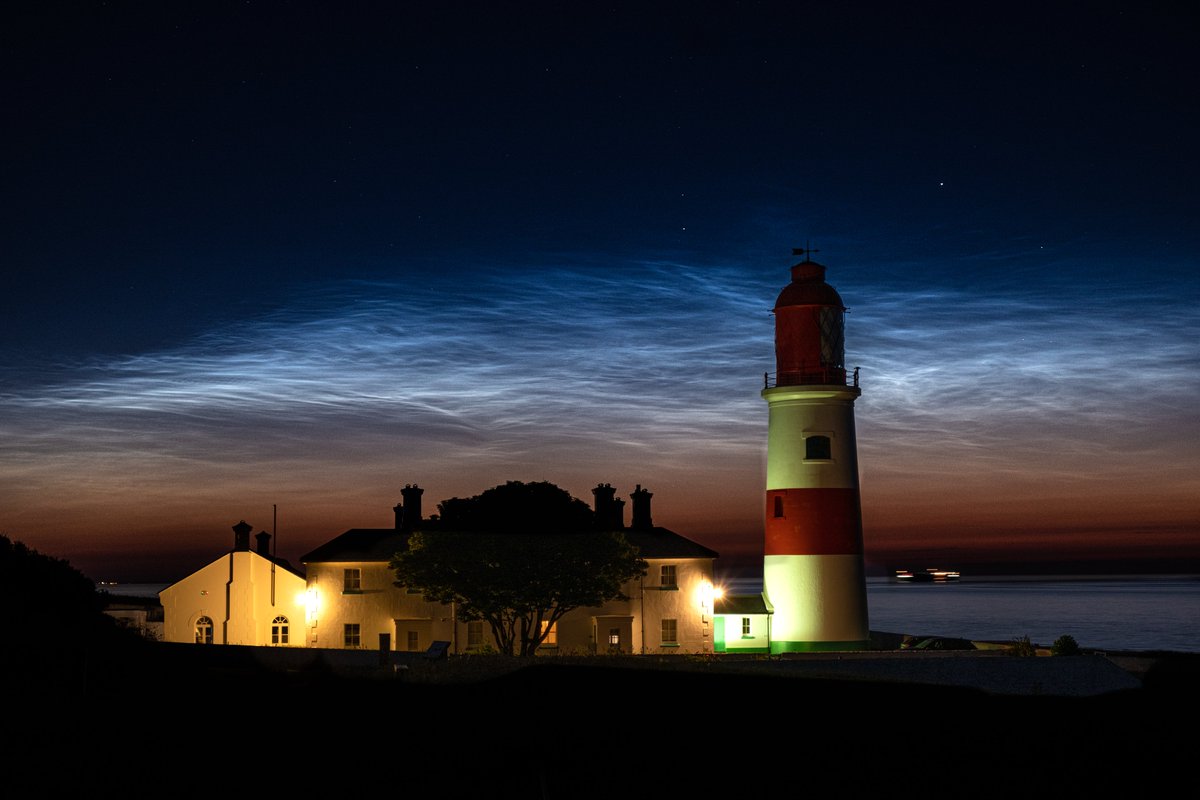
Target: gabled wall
x,y
242,593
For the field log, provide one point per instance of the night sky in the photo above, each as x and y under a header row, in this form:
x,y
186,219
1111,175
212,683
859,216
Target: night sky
x,y
302,254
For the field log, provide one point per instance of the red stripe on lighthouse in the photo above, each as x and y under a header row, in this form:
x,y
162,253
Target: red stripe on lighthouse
x,y
819,522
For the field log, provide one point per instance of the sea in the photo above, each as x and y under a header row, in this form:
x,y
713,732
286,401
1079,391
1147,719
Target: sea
x,y
1101,612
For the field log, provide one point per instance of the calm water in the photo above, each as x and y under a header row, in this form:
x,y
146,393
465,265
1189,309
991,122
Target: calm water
x,y
1153,612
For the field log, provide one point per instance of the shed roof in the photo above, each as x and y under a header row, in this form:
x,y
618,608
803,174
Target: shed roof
x,y
734,604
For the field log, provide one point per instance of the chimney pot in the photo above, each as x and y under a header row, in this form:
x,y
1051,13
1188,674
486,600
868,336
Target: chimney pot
x,y
642,520
241,535
410,516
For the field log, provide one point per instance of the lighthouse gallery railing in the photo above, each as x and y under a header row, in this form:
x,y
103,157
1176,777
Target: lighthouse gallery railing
x,y
819,376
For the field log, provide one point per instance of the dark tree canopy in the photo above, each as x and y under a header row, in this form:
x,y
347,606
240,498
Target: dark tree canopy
x,y
518,556
517,507
43,596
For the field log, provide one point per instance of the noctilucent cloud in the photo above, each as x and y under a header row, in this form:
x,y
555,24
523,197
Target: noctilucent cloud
x,y
295,259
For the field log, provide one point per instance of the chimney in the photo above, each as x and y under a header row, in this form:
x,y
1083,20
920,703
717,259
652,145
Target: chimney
x,y
399,509
410,516
241,536
264,543
641,509
609,511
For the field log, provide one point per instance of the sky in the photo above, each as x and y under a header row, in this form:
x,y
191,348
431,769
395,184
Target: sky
x,y
274,261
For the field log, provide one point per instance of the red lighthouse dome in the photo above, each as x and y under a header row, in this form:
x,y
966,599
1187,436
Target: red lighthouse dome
x,y
810,338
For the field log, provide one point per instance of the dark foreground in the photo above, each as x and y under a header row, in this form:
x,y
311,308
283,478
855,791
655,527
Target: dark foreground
x,y
157,721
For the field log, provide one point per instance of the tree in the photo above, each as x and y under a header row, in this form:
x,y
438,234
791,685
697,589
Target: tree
x,y
518,556
1065,645
43,593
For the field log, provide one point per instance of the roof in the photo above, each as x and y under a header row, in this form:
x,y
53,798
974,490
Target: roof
x,y
808,288
664,543
360,544
279,562
741,604
380,544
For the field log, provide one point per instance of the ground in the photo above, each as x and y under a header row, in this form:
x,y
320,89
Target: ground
x,y
138,720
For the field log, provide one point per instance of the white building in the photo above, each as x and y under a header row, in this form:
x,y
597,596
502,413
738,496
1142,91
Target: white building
x,y
354,603
243,597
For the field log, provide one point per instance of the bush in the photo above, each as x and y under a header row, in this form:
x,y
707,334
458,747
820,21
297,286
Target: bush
x,y
1022,647
1065,645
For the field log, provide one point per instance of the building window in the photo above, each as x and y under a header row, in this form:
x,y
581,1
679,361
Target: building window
x,y
551,639
279,630
817,448
669,579
778,506
614,637
352,580
475,634
351,635
414,641
204,631
670,632
745,626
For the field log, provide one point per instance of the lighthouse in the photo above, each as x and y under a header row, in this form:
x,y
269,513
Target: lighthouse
x,y
813,575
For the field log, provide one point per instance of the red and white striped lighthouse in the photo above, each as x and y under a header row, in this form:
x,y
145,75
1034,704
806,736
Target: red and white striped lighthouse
x,y
813,575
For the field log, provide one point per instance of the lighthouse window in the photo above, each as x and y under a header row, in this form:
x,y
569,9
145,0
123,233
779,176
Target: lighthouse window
x,y
279,630
833,337
778,506
818,448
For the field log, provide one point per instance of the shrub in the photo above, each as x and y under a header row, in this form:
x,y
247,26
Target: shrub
x,y
1065,645
1022,647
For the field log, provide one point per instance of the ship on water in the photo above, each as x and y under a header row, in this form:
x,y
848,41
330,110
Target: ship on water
x,y
931,575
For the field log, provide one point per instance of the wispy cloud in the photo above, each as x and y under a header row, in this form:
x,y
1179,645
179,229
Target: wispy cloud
x,y
650,368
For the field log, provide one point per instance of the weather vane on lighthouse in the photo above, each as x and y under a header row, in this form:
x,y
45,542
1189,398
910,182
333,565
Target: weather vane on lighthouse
x,y
805,251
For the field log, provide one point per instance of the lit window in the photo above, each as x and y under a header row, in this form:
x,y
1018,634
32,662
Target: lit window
x,y
817,448
352,580
614,636
204,631
670,631
551,639
669,580
351,635
414,641
279,630
474,634
745,626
